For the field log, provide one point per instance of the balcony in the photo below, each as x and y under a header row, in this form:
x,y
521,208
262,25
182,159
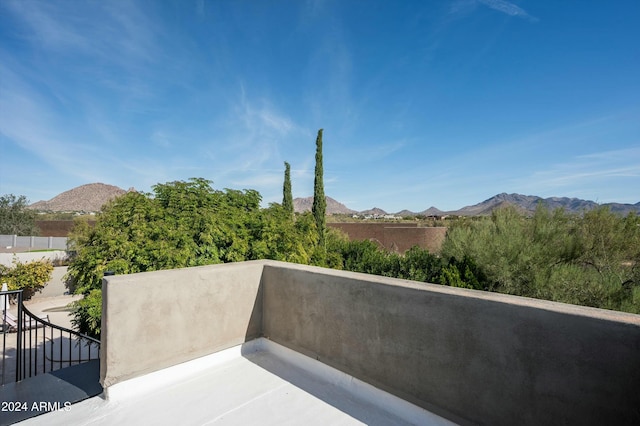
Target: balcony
x,y
267,342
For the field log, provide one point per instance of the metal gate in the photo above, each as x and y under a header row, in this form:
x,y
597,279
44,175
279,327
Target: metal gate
x,y
32,345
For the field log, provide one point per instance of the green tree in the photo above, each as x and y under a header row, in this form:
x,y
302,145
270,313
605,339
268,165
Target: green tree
x,y
180,224
287,196
319,207
276,236
15,217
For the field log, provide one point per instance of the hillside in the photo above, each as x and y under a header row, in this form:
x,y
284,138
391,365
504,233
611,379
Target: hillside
x,y
528,204
524,203
374,211
432,211
85,198
301,205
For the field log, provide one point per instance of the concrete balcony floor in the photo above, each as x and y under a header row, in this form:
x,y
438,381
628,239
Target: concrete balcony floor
x,y
258,383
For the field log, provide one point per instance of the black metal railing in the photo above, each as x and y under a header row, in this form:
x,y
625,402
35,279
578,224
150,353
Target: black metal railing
x,y
32,345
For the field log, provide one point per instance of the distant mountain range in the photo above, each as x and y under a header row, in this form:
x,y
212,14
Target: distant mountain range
x,y
91,197
528,203
525,203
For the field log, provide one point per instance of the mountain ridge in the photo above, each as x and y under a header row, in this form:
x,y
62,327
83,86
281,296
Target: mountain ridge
x,y
86,198
91,197
530,202
524,203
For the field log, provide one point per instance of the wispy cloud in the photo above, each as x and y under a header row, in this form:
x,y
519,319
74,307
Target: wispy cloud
x,y
26,120
161,138
508,8
597,173
261,116
273,179
88,89
90,53
47,28
252,141
373,151
384,150
121,33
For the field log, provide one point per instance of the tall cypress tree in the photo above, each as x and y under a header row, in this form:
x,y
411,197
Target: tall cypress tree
x,y
319,207
287,198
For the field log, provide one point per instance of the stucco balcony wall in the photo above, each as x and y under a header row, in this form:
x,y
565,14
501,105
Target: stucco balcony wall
x,y
154,320
469,356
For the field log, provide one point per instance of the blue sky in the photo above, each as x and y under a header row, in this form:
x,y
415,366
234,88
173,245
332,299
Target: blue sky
x,y
423,103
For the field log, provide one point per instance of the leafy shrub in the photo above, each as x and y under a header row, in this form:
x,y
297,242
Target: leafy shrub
x,y
87,314
30,277
366,256
463,273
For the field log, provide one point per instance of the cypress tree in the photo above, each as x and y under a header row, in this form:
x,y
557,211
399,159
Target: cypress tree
x,y
319,207
287,198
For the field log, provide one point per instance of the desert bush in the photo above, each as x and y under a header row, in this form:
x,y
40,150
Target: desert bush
x,y
30,276
589,259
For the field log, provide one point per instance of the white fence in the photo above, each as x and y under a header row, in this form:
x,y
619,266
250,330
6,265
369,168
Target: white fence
x,y
36,243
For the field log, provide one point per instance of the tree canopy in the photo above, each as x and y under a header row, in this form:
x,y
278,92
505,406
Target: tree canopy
x,y
15,217
180,224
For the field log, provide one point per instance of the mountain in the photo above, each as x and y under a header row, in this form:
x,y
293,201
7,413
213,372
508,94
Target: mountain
x,y
406,213
523,202
86,198
432,211
528,204
374,211
301,205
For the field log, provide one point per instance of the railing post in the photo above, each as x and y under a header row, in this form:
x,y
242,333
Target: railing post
x,y
4,301
19,353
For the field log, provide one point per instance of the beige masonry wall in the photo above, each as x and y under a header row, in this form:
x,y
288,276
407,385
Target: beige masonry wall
x,y
157,319
471,356
396,237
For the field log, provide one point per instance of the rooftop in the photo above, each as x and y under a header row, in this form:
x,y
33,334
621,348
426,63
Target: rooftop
x,y
259,382
267,342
